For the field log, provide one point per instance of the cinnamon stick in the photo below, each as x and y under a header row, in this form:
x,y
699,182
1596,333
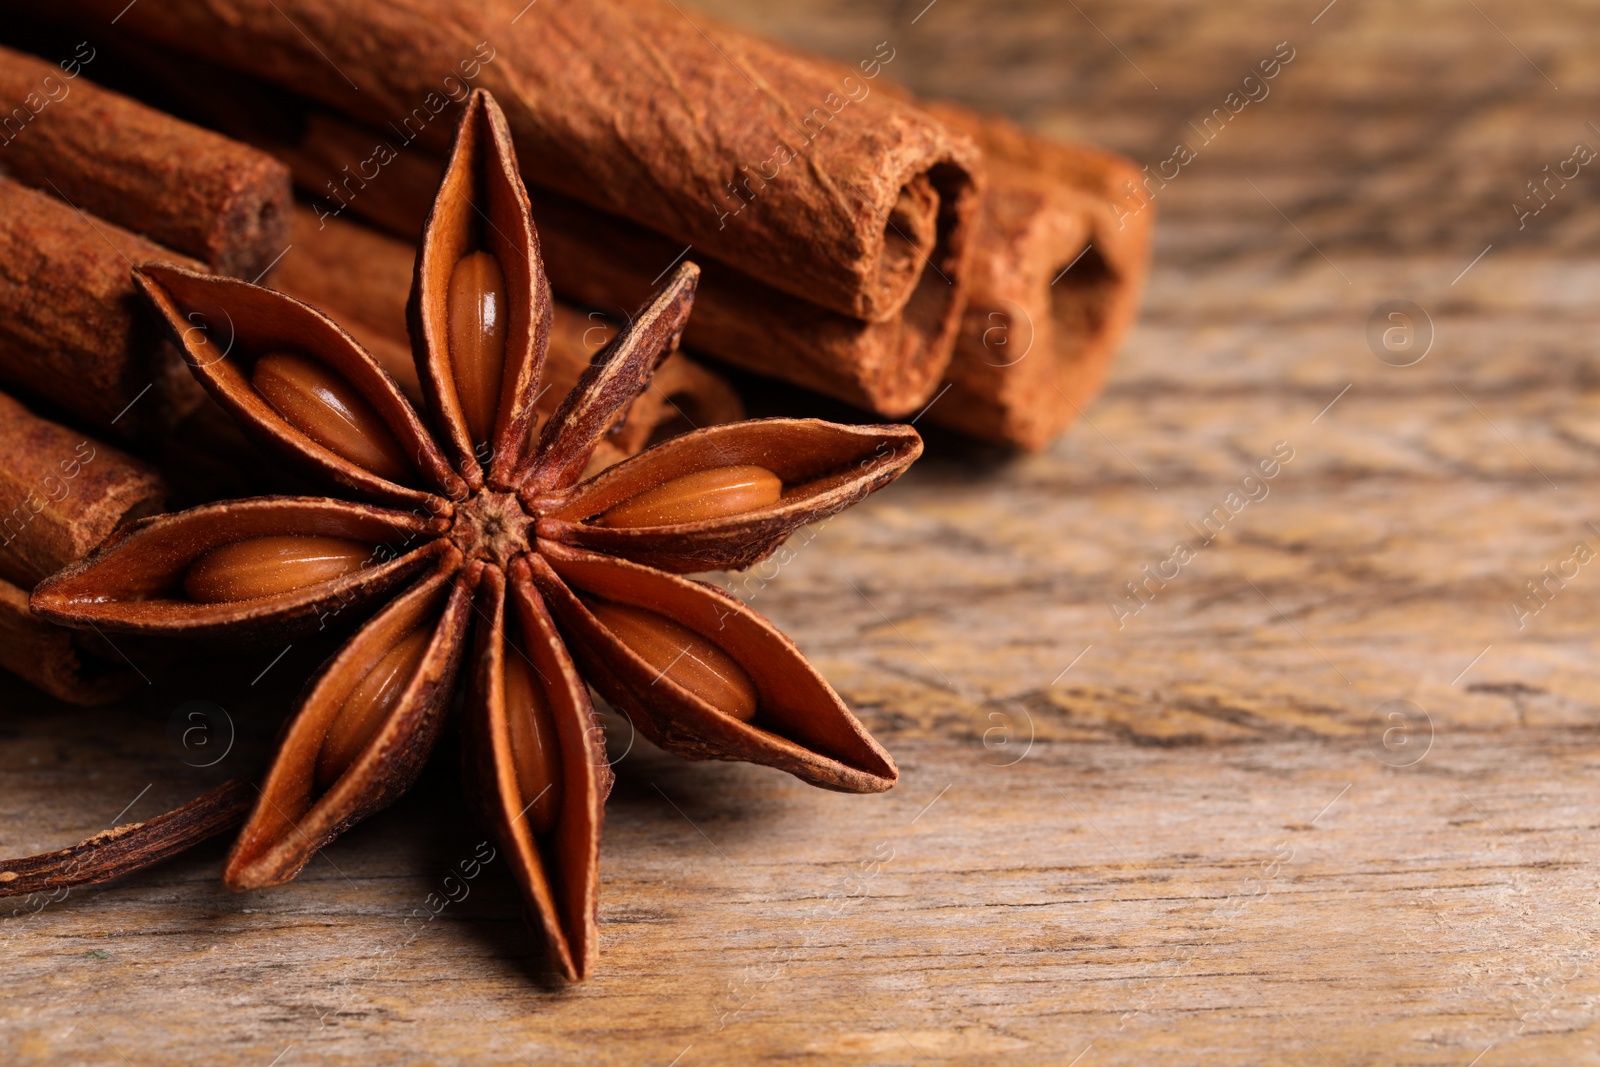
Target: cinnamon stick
x,y
889,367
190,189
61,493
71,330
1057,269
56,660
593,258
363,278
770,162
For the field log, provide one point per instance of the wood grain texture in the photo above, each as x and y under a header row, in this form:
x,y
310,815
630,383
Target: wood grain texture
x,y
1204,840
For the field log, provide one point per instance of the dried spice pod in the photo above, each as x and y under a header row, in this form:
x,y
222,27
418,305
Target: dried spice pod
x,y
329,390
619,373
480,223
363,278
262,567
551,840
297,814
135,582
113,853
470,558
824,468
800,725
708,493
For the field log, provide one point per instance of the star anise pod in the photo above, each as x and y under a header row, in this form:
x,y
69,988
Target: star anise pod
x,y
482,558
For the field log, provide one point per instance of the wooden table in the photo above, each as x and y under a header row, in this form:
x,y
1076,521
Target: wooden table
x,y
1326,798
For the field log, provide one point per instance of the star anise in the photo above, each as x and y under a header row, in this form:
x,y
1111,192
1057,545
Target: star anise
x,y
480,553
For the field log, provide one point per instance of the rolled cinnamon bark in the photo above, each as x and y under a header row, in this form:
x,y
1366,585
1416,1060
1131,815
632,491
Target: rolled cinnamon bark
x,y
362,274
1043,204
889,367
57,660
593,258
363,278
61,493
1057,269
770,162
72,332
190,189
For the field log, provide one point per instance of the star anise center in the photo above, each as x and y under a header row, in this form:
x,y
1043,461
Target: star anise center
x,y
492,526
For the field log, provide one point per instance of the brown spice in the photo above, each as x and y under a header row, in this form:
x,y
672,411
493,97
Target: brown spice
x,y
67,664
321,404
364,278
1058,266
270,566
195,191
71,330
132,846
889,364
602,260
705,494
491,552
767,161
1044,203
890,367
61,493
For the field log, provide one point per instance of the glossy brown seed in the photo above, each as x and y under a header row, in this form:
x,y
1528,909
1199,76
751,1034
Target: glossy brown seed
x,y
267,566
326,408
534,752
477,311
677,652
709,494
368,704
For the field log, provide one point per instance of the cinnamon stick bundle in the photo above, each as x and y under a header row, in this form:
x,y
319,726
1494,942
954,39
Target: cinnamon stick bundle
x,y
1058,265
61,493
363,278
71,330
768,161
1035,339
888,367
192,190
1055,272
